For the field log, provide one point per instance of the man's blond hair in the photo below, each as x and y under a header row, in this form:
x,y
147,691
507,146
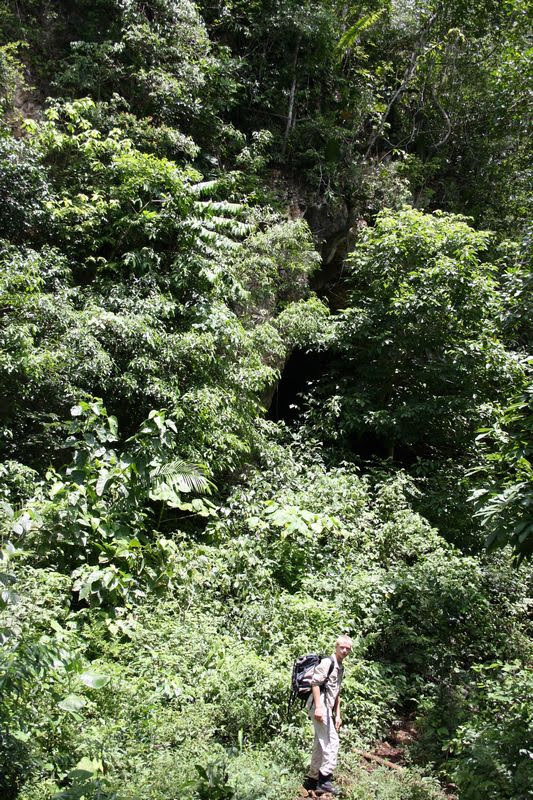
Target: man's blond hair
x,y
343,638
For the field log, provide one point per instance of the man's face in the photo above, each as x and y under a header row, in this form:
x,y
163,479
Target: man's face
x,y
342,648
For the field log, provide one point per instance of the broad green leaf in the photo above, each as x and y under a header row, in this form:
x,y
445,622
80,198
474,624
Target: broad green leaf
x,y
21,736
94,680
102,482
92,765
72,703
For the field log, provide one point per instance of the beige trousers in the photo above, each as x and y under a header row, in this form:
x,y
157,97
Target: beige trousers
x,y
325,747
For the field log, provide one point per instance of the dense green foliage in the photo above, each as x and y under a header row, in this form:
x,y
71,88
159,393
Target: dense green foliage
x,y
506,498
419,348
201,205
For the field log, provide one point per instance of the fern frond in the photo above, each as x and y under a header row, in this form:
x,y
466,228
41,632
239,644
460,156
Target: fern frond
x,y
350,36
209,207
234,227
211,253
204,188
218,224
183,476
213,237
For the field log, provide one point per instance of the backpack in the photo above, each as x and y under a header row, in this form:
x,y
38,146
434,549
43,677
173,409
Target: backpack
x,y
302,673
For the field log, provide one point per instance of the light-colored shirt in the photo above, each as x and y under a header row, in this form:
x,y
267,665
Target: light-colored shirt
x,y
333,685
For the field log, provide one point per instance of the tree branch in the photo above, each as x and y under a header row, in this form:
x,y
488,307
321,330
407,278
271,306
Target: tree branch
x,y
408,74
446,117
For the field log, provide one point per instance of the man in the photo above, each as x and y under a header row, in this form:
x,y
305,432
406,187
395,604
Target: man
x,y
324,708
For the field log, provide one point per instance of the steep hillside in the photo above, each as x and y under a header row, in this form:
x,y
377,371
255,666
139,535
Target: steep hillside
x,y
265,370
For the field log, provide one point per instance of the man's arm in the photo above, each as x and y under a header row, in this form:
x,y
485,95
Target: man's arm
x,y
337,705
320,711
319,677
337,710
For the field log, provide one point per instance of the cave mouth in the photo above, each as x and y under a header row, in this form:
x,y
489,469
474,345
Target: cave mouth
x,y
299,373
302,370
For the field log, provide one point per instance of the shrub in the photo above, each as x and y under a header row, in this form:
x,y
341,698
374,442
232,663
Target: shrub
x,y
492,751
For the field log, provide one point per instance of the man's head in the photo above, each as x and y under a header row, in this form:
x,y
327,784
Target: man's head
x,y
343,645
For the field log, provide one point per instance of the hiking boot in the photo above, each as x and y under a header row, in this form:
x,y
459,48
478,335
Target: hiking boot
x,y
310,784
325,785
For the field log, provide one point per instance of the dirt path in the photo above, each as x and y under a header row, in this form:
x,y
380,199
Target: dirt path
x,y
389,752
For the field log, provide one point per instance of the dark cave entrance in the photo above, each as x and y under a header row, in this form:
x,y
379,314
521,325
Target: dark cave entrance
x,y
301,370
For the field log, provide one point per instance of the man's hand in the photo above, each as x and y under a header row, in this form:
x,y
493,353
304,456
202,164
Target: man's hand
x,y
319,713
338,722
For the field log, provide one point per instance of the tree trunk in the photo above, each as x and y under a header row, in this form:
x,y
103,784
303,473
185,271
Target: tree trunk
x,y
292,95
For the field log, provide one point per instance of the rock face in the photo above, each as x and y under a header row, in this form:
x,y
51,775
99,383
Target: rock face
x,y
335,229
27,104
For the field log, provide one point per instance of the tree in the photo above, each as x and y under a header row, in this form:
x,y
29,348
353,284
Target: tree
x,y
417,359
